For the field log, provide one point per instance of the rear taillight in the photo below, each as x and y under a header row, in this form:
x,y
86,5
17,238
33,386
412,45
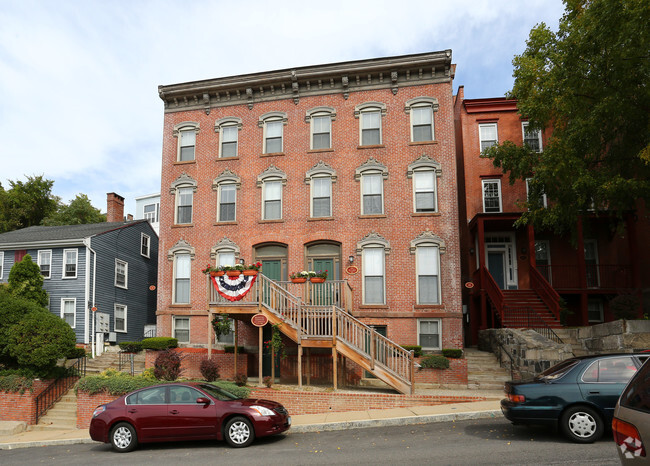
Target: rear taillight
x,y
628,439
516,398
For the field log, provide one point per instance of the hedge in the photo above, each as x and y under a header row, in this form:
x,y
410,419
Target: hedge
x,y
159,343
453,353
131,346
435,361
417,349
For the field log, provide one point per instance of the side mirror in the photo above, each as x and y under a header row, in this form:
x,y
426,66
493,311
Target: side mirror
x,y
203,401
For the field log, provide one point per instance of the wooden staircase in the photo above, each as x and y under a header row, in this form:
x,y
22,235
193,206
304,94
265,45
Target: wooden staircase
x,y
517,304
332,327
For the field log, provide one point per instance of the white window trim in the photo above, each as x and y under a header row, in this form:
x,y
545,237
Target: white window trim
x,y
181,247
156,210
142,237
115,318
492,180
2,264
126,274
220,186
264,186
177,204
439,333
271,117
364,175
369,107
76,264
433,172
40,262
320,112
178,129
496,129
311,194
420,102
544,200
228,122
363,268
524,125
189,327
417,274
74,300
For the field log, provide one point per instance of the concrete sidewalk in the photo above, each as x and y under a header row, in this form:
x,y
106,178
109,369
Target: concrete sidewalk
x,y
300,423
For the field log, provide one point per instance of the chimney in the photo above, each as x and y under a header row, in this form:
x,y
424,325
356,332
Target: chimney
x,y
114,207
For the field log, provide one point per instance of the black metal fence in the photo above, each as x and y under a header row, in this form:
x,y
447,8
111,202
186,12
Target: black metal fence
x,y
46,399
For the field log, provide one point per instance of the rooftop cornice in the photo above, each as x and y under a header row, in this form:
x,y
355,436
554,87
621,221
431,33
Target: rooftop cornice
x,y
345,77
495,104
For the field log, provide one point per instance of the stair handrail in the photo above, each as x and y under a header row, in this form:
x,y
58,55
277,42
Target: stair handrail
x,y
53,393
545,291
493,291
536,323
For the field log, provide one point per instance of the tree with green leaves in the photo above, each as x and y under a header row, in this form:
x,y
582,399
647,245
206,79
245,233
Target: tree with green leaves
x,y
79,211
589,82
26,203
26,281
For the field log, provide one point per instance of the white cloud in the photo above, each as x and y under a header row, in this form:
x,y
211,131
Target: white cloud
x,y
78,79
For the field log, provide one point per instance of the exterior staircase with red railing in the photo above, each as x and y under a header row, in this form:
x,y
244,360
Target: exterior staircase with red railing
x,y
518,306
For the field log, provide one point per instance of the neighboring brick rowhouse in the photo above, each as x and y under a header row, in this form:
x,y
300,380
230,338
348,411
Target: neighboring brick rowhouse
x,y
302,402
22,406
114,207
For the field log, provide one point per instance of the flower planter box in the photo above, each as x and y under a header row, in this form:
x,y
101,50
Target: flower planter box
x,y
298,280
316,280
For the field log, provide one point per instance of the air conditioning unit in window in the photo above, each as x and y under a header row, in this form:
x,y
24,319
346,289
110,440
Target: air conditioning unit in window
x,y
112,337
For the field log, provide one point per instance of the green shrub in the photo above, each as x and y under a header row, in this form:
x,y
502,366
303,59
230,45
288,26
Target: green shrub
x,y
435,361
16,383
209,369
453,353
417,349
241,392
167,365
116,383
26,281
159,343
231,349
241,380
77,353
131,346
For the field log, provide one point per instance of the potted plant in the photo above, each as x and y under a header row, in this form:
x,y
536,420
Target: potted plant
x,y
212,271
234,270
252,269
299,277
318,277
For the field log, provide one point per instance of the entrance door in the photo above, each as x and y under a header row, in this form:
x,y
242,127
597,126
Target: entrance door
x,y
496,264
272,269
322,294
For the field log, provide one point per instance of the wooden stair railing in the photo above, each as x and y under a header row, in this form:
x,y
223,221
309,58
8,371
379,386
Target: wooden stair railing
x,y
353,339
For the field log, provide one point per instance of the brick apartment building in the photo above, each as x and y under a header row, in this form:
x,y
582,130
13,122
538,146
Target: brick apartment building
x,y
515,270
349,167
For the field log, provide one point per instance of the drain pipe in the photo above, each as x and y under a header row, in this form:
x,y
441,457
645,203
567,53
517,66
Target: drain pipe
x,y
87,243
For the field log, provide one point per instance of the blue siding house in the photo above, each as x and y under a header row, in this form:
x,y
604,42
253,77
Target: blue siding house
x,y
106,270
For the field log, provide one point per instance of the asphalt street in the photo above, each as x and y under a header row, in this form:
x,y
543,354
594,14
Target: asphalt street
x,y
490,441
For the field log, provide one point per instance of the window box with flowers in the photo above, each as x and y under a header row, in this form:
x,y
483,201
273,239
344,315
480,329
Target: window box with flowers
x,y
318,277
213,271
299,277
252,269
233,270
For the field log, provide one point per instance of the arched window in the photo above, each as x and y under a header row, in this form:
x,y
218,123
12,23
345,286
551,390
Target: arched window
x,y
271,181
186,133
424,171
370,127
320,120
183,188
421,111
373,249
228,129
182,255
320,179
226,186
427,248
273,125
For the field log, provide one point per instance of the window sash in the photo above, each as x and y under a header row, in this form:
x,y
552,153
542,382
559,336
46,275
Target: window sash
x,y
145,245
321,196
120,318
373,275
120,274
429,334
321,132
425,199
68,310
422,120
185,200
151,213
372,187
182,329
532,138
70,263
370,128
229,137
188,142
491,196
272,200
273,137
227,203
488,135
182,279
44,263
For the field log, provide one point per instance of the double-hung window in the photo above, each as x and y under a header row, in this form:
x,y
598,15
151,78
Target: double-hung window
x,y
121,271
45,263
184,203
429,334
373,267
182,329
227,202
532,137
529,193
145,245
273,137
186,133
151,212
228,128
69,263
320,120
68,311
182,278
424,186
272,199
492,196
428,270
488,135
321,196
370,127
119,323
421,111
372,189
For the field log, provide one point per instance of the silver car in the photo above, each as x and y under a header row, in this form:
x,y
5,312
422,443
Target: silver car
x,y
631,423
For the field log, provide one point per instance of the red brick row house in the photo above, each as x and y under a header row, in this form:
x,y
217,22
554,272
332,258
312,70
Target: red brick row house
x,y
346,167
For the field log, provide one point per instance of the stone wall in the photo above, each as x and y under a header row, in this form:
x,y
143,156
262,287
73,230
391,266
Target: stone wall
x,y
625,336
531,352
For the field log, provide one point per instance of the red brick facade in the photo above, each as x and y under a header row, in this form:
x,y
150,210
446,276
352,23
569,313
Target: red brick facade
x,y
15,406
389,83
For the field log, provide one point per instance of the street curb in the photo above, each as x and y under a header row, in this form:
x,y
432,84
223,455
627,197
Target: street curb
x,y
46,443
398,421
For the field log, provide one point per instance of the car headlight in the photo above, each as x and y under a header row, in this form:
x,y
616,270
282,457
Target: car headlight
x,y
263,411
99,410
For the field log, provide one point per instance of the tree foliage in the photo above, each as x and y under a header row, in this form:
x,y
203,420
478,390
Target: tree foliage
x,y
26,203
589,83
12,309
26,281
79,211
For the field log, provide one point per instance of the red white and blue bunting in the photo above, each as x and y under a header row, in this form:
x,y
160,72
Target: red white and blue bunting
x,y
233,288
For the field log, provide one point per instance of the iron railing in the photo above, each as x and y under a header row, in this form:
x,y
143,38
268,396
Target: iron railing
x,y
525,317
596,276
125,359
46,399
513,365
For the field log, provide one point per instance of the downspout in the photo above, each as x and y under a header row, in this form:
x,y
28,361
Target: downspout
x,y
88,248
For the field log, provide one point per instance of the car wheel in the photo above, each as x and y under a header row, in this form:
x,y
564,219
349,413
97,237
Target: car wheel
x,y
582,424
239,432
123,437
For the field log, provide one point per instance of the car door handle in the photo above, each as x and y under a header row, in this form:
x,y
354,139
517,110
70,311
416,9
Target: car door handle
x,y
594,392
174,411
132,410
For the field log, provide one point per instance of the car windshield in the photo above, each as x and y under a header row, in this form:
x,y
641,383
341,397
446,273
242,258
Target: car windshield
x,y
557,371
219,393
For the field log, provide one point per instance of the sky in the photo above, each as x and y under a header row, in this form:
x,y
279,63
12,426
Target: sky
x,y
79,78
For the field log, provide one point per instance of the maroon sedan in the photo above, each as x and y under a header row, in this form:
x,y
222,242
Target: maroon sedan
x,y
185,411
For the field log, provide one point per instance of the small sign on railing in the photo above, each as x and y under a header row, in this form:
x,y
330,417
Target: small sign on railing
x,y
259,320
